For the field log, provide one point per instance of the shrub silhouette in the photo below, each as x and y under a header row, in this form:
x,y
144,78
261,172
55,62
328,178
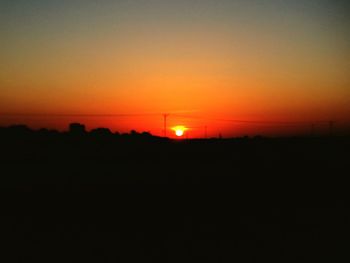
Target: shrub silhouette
x,y
101,132
77,129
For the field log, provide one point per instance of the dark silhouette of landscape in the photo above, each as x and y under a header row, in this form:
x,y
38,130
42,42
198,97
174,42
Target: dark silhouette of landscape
x,y
101,196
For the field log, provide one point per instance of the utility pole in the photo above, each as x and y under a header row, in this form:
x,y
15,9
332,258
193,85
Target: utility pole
x,y
165,116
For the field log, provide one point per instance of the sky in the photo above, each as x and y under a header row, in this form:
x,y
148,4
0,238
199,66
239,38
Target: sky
x,y
236,67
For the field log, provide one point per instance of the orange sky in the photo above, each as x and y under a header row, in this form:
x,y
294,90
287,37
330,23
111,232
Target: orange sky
x,y
203,60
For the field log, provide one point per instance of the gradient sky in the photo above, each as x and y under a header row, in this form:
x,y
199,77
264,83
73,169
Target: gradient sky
x,y
257,60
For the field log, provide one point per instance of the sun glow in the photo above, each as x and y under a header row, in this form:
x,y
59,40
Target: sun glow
x,y
179,130
179,133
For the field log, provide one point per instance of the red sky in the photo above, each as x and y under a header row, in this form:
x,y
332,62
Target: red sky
x,y
209,62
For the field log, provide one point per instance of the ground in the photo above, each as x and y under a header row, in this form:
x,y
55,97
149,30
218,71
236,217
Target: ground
x,y
83,198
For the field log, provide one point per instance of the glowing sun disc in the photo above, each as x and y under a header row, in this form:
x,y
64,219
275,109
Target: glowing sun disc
x,y
179,130
179,133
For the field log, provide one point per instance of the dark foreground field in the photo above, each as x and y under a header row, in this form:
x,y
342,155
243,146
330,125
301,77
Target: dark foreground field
x,y
94,198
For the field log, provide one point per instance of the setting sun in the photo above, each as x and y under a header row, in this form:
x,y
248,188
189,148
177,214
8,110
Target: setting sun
x,y
179,130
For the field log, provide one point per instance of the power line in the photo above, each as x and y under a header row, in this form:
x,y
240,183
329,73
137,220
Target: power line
x,y
165,116
77,114
249,121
